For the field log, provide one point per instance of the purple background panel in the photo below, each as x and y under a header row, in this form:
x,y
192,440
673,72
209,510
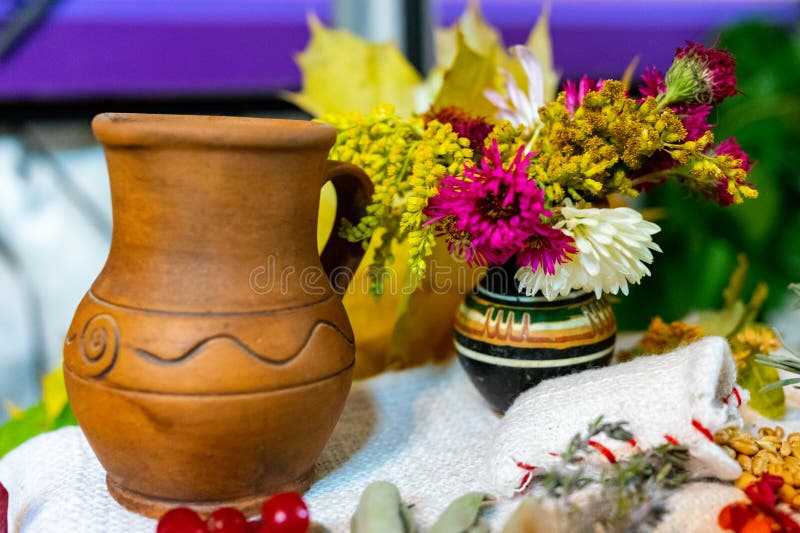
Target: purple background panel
x,y
157,48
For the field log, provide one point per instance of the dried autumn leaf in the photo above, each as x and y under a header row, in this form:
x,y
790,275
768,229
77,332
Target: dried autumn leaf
x,y
474,32
540,43
343,73
465,81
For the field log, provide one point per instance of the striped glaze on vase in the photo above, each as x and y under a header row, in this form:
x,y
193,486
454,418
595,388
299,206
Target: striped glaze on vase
x,y
508,342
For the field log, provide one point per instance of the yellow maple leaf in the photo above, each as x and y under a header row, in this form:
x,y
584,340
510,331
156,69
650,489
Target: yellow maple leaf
x,y
465,81
343,73
54,394
470,38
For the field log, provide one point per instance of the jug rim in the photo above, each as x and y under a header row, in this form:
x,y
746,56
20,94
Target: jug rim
x,y
149,129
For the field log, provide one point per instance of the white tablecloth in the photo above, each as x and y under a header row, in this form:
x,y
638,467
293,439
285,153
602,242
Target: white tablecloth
x,y
426,430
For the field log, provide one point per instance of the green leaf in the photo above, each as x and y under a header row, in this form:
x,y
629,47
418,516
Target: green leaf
x,y
722,322
754,377
53,412
380,510
780,384
32,422
462,515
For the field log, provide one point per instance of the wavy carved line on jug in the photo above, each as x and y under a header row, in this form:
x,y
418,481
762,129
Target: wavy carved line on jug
x,y
98,332
198,347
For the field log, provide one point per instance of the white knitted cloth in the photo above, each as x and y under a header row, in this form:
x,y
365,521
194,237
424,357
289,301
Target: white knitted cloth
x,y
684,397
426,430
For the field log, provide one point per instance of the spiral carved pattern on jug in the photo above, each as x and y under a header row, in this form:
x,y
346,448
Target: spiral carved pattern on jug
x,y
99,344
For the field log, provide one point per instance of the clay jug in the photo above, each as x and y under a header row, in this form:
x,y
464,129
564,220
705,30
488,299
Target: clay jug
x,y
210,360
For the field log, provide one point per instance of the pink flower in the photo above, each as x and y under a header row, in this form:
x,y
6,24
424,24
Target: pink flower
x,y
652,83
694,118
700,75
489,213
576,92
731,147
547,247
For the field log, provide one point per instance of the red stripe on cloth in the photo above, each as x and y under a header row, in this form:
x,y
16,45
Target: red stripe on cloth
x,y
605,451
525,479
526,466
702,429
672,440
554,454
738,396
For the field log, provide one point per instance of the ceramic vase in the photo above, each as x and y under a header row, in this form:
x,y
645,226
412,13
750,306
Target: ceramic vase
x,y
210,360
508,342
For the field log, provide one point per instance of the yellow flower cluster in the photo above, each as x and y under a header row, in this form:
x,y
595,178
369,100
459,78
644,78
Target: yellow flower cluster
x,y
594,152
440,152
404,159
754,339
718,177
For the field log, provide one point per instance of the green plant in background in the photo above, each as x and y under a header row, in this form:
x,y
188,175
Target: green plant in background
x,y
701,243
53,412
748,339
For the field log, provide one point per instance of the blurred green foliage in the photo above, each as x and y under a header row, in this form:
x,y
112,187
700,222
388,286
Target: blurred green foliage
x,y
701,240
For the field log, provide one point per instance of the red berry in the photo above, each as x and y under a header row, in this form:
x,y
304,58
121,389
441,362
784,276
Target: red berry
x,y
227,520
181,520
255,526
285,513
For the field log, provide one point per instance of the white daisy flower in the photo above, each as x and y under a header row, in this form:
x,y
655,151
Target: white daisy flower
x,y
613,247
518,107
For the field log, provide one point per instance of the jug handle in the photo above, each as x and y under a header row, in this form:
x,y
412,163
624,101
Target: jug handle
x,y
340,258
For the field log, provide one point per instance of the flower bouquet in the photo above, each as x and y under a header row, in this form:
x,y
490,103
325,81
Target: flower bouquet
x,y
536,185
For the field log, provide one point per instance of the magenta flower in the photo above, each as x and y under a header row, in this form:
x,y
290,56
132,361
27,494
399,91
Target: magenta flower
x,y
470,127
731,147
700,75
489,214
694,118
547,247
652,83
576,92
